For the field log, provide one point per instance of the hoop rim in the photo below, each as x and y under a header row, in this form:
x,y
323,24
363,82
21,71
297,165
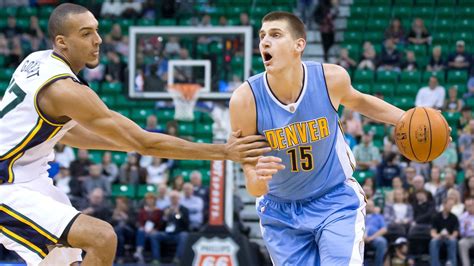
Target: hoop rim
x,y
188,91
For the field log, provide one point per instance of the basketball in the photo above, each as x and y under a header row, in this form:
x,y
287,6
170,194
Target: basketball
x,y
422,134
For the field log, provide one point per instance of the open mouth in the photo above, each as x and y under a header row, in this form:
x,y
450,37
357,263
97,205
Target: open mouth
x,y
266,57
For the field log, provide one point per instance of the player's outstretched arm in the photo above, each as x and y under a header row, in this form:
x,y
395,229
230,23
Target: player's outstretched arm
x,y
68,99
243,117
342,92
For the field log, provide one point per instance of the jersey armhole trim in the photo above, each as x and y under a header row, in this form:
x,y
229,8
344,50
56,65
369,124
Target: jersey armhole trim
x,y
327,89
256,109
45,84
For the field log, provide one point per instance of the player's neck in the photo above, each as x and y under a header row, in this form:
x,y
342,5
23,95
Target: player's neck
x,y
66,60
287,84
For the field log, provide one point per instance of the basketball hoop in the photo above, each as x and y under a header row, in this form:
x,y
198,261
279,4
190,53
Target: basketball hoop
x,y
184,99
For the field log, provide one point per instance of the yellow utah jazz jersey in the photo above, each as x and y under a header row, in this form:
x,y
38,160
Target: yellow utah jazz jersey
x,y
27,136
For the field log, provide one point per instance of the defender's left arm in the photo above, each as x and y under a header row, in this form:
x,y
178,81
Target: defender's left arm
x,y
341,92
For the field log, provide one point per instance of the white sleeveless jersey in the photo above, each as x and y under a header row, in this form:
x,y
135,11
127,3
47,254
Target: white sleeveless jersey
x,y
27,137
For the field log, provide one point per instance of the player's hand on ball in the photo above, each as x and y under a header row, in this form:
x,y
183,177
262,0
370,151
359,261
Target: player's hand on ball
x,y
267,166
245,149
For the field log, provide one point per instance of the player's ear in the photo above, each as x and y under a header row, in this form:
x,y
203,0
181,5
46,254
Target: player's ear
x,y
300,45
60,42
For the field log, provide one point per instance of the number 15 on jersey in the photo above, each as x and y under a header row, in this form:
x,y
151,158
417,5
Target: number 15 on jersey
x,y
301,158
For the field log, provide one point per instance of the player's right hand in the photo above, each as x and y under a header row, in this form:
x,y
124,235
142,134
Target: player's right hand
x,y
267,166
246,149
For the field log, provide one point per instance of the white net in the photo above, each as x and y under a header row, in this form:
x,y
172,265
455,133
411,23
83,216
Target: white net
x,y
184,99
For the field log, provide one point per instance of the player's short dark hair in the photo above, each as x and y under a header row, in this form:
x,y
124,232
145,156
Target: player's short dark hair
x,y
295,23
57,19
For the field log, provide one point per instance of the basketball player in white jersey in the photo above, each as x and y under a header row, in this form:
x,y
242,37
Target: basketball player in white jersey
x,y
47,103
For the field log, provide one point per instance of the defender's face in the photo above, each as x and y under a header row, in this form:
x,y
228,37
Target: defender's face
x,y
277,46
82,40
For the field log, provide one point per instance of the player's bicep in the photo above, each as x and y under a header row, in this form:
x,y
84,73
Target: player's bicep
x,y
243,111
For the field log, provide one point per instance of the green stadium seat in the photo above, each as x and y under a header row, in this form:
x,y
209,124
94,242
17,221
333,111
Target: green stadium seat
x,y
96,156
123,111
140,114
423,12
180,171
108,100
45,11
364,88
123,101
119,157
386,3
419,50
460,176
8,11
466,12
466,3
356,24
144,189
3,87
95,86
165,115
377,130
441,37
410,77
446,3
444,25
452,118
386,90
146,22
382,12
203,130
364,76
404,103
358,12
354,50
446,12
112,88
462,88
167,22
190,164
362,3
470,102
387,76
427,74
377,24
353,37
6,74
360,176
402,12
457,76
186,129
203,140
105,25
465,36
409,90
235,10
27,12
464,24
374,36
119,190
425,2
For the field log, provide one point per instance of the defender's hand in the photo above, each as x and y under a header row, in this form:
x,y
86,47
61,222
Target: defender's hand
x,y
245,149
267,166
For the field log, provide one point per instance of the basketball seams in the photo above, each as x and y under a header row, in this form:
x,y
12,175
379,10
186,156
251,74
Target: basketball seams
x,y
409,134
431,135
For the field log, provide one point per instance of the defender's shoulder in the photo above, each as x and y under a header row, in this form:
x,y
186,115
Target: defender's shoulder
x,y
336,75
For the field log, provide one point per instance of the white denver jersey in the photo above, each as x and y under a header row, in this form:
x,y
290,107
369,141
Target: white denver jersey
x,y
27,137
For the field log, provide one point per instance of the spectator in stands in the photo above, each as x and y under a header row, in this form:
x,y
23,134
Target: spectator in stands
x,y
434,181
163,200
445,229
398,255
423,208
387,170
176,224
325,14
353,123
396,184
4,48
109,169
468,161
409,174
467,95
64,155
168,8
409,64
244,19
172,47
96,180
111,9
97,206
305,10
468,187
205,21
375,228
399,212
157,171
131,9
390,58
152,81
431,96
366,154
389,141
449,158
11,30
94,74
345,60
459,60
114,70
150,221
131,172
350,140
62,180
418,185
395,31
437,62
371,194
113,38
368,58
80,167
466,230
178,182
442,192
418,33
453,103
199,189
16,52
149,9
223,21
195,206
35,34
465,141
458,206
466,116
123,219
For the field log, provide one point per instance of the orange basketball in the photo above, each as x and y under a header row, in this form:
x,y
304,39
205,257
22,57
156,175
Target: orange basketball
x,y
422,134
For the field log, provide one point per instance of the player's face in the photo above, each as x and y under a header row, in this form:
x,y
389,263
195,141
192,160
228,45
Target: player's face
x,y
82,40
278,47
